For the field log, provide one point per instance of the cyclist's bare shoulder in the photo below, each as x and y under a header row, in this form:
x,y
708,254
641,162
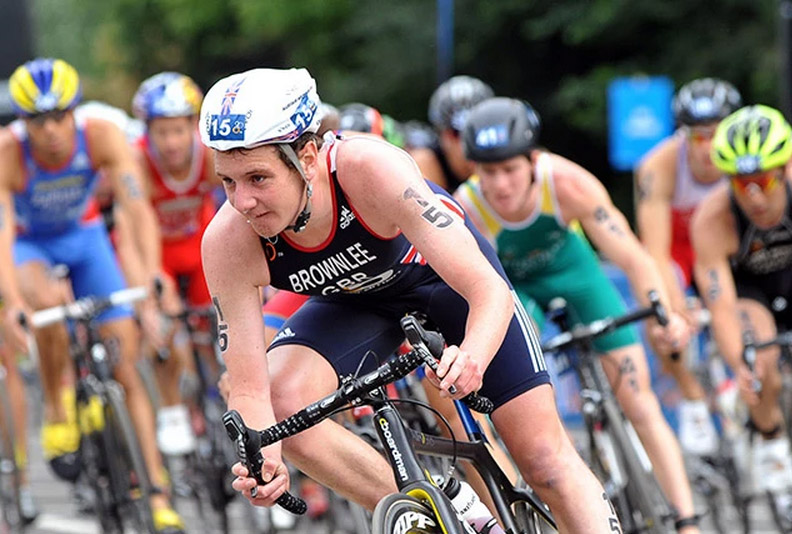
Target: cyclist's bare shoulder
x,y
230,245
107,142
656,173
663,156
713,225
578,191
374,174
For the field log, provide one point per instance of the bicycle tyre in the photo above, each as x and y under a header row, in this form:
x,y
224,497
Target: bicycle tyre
x,y
401,514
615,493
527,519
10,475
93,455
128,470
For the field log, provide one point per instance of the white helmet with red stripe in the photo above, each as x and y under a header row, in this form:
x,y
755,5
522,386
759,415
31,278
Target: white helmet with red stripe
x,y
259,107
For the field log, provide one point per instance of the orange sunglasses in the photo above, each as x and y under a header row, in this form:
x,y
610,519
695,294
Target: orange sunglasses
x,y
766,182
699,134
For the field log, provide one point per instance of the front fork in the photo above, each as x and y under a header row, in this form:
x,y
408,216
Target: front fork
x,y
411,478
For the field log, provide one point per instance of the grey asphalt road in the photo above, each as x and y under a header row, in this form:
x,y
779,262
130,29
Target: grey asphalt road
x,y
59,513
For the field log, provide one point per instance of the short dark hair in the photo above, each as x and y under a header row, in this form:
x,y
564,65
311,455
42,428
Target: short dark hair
x,y
297,145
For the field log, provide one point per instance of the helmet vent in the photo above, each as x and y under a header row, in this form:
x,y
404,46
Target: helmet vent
x,y
780,146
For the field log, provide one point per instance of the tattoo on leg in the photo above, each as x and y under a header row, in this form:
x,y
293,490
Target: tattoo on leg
x,y
714,289
436,217
745,323
602,216
222,327
132,186
627,369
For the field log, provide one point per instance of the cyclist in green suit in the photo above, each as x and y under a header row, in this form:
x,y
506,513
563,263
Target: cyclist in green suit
x,y
527,202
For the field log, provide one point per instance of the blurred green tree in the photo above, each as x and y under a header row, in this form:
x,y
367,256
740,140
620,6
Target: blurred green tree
x,y
559,55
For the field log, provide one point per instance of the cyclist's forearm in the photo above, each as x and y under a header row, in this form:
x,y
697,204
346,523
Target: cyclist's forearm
x,y
148,237
9,288
728,336
671,283
644,276
491,310
10,294
256,412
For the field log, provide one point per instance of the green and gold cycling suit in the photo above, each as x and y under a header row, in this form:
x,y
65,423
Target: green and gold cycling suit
x,y
545,258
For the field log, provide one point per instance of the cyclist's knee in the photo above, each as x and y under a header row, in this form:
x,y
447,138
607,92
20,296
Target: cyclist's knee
x,y
546,464
287,398
41,297
641,408
771,384
38,289
298,377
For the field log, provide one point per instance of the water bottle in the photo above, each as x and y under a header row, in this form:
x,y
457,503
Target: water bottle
x,y
470,507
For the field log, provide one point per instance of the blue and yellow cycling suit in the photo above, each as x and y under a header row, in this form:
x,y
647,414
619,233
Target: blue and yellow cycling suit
x,y
58,221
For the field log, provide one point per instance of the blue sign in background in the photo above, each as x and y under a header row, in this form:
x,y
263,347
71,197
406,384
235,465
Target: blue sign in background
x,y
639,116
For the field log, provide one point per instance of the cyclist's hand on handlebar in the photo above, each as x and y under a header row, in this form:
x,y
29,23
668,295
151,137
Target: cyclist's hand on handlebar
x,y
671,338
691,313
12,331
274,472
151,320
457,368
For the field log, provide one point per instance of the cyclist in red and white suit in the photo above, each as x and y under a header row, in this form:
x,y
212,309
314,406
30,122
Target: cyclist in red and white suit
x,y
671,181
179,175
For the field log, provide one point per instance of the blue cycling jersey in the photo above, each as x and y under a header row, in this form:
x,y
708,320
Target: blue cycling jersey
x,y
54,201
59,223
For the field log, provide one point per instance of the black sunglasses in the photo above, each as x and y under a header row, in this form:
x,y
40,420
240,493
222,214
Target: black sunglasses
x,y
41,119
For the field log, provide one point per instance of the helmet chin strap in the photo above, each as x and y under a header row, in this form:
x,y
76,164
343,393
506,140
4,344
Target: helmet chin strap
x,y
302,218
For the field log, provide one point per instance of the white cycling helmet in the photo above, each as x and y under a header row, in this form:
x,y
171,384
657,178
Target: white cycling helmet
x,y
259,107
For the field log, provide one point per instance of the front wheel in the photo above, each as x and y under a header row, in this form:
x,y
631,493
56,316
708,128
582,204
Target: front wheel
x,y
129,476
11,519
401,514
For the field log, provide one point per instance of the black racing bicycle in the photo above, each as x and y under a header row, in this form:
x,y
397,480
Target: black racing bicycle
x,y
779,501
204,475
110,455
420,505
208,466
616,455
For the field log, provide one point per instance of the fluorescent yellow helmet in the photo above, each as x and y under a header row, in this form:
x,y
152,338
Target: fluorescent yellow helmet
x,y
750,140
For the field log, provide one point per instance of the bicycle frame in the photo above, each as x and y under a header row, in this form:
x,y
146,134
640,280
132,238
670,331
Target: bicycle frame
x,y
502,491
600,405
400,445
94,379
411,478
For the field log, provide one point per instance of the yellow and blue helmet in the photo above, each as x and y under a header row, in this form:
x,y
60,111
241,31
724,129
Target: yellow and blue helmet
x,y
43,85
167,94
